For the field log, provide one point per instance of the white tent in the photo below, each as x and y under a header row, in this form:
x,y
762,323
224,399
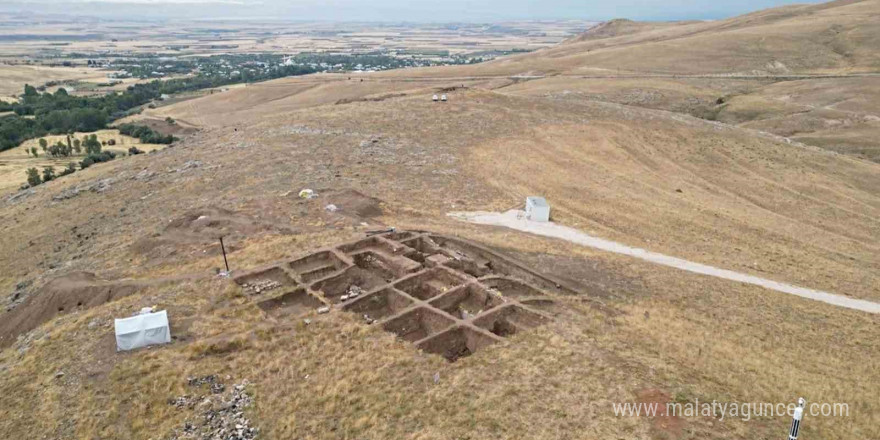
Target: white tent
x,y
142,330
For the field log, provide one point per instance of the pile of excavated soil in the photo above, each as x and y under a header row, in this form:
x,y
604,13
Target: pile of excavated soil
x,y
202,229
75,291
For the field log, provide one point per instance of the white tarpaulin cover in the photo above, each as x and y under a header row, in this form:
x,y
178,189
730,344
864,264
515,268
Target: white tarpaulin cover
x,y
142,330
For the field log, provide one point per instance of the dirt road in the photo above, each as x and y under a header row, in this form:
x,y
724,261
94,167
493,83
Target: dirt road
x,y
514,219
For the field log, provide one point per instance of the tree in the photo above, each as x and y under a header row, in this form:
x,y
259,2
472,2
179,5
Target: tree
x,y
92,145
34,152
33,177
48,174
76,146
59,150
71,168
30,91
43,144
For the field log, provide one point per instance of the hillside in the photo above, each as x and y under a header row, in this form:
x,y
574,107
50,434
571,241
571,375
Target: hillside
x,y
688,167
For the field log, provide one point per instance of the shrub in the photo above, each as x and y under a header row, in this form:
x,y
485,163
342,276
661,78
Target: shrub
x,y
145,134
104,156
71,168
48,174
33,177
135,150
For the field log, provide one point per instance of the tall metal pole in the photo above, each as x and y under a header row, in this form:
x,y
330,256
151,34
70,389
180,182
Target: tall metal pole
x,y
223,248
796,420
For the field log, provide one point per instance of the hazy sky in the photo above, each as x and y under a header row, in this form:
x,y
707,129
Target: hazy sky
x,y
404,10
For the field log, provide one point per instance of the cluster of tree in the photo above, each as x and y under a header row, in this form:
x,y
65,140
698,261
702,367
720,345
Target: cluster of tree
x,y
90,144
91,159
34,178
146,134
60,113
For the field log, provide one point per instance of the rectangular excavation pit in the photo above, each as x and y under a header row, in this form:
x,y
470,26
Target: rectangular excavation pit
x,y
353,279
293,303
375,244
466,258
423,245
467,301
509,320
511,288
418,324
456,343
427,285
378,305
387,267
474,268
317,266
258,283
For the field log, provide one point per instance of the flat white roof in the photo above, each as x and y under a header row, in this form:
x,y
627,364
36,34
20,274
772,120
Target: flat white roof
x,y
537,201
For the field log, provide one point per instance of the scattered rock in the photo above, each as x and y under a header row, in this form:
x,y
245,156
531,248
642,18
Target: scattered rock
x,y
188,165
221,413
322,310
214,383
354,291
145,174
96,186
260,286
21,195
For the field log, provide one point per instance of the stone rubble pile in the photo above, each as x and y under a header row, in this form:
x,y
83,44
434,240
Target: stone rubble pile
x,y
220,414
353,292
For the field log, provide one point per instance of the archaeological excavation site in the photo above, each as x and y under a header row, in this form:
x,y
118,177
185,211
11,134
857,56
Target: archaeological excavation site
x,y
445,295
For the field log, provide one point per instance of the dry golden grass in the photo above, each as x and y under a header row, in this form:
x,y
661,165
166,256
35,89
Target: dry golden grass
x,y
14,162
14,77
747,202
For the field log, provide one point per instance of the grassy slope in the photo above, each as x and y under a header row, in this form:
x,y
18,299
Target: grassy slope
x,y
748,202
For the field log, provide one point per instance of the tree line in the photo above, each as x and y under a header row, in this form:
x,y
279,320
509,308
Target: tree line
x,y
40,114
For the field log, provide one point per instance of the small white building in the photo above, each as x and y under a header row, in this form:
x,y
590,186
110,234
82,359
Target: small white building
x,y
537,209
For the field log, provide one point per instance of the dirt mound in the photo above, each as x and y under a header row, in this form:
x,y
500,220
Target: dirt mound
x,y
201,230
351,202
75,291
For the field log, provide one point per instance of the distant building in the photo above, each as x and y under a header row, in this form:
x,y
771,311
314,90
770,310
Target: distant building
x,y
537,209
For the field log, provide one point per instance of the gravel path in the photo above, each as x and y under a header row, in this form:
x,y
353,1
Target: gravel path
x,y
514,220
